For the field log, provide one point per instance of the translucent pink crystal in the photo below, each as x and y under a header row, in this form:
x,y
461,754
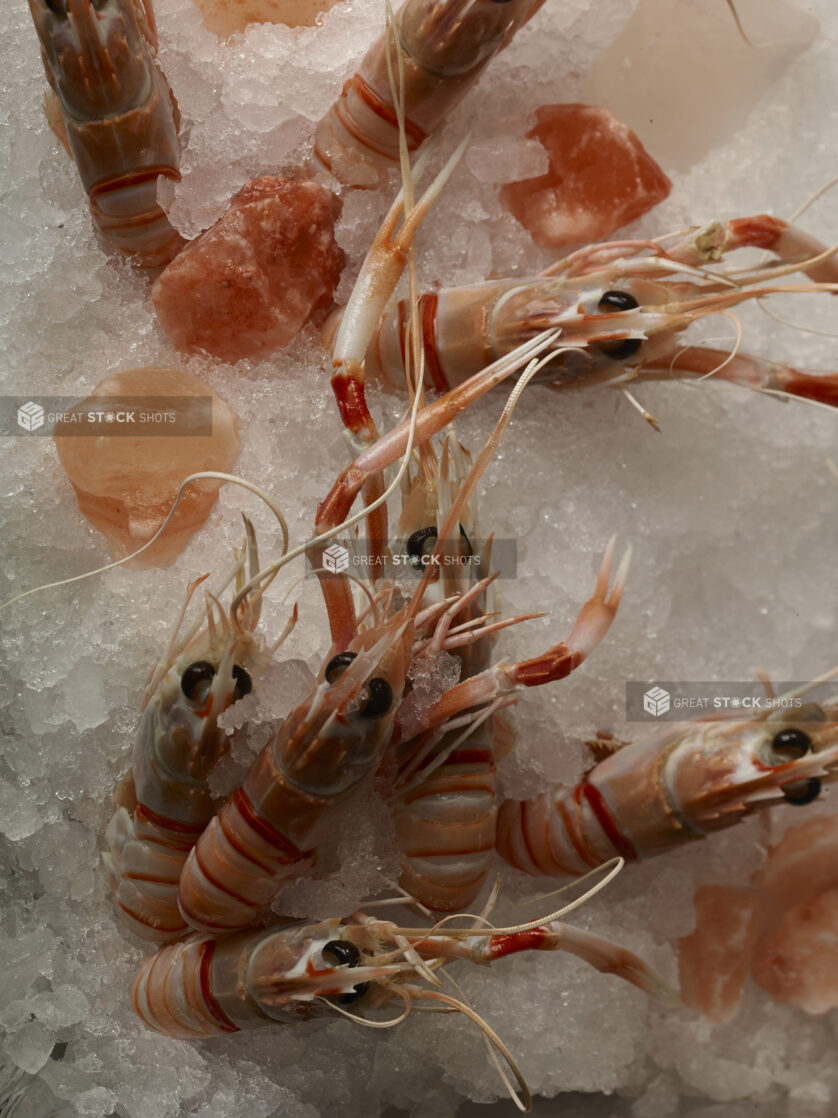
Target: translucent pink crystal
x,y
783,929
600,178
713,962
126,484
249,284
226,17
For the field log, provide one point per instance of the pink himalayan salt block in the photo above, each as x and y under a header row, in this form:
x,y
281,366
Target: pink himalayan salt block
x,y
796,959
798,962
126,484
600,178
248,285
226,17
783,930
714,961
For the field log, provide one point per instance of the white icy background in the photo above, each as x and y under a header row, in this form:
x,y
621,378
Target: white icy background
x,y
731,511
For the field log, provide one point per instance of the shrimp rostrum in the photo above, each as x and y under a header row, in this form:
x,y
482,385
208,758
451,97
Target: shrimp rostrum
x,y
114,112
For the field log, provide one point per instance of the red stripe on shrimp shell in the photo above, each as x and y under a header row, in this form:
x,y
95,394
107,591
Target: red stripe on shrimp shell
x,y
413,133
428,306
595,800
234,871
577,839
190,831
210,1004
511,943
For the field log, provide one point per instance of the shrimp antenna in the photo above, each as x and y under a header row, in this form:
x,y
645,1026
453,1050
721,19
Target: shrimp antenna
x,y
500,368
613,866
481,462
524,1103
366,1021
490,1049
738,23
212,474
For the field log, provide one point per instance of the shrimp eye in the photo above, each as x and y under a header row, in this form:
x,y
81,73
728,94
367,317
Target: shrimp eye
x,y
378,698
802,792
197,680
58,7
421,544
338,665
788,745
617,301
344,953
621,349
358,992
244,684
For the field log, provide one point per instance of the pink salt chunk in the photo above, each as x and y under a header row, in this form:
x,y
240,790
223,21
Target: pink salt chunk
x,y
248,285
126,484
600,178
226,17
713,962
798,964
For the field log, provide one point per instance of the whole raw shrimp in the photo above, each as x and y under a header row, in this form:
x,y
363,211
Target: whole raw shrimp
x,y
165,803
113,110
203,987
680,786
620,308
300,784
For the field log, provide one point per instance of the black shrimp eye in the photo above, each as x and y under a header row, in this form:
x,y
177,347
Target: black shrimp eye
x,y
617,301
196,680
791,744
344,953
338,665
420,544
802,791
362,987
58,7
378,700
621,349
244,684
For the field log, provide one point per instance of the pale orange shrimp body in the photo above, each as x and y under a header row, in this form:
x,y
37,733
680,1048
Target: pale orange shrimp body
x,y
114,112
623,306
445,820
445,45
300,783
646,799
203,987
165,803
